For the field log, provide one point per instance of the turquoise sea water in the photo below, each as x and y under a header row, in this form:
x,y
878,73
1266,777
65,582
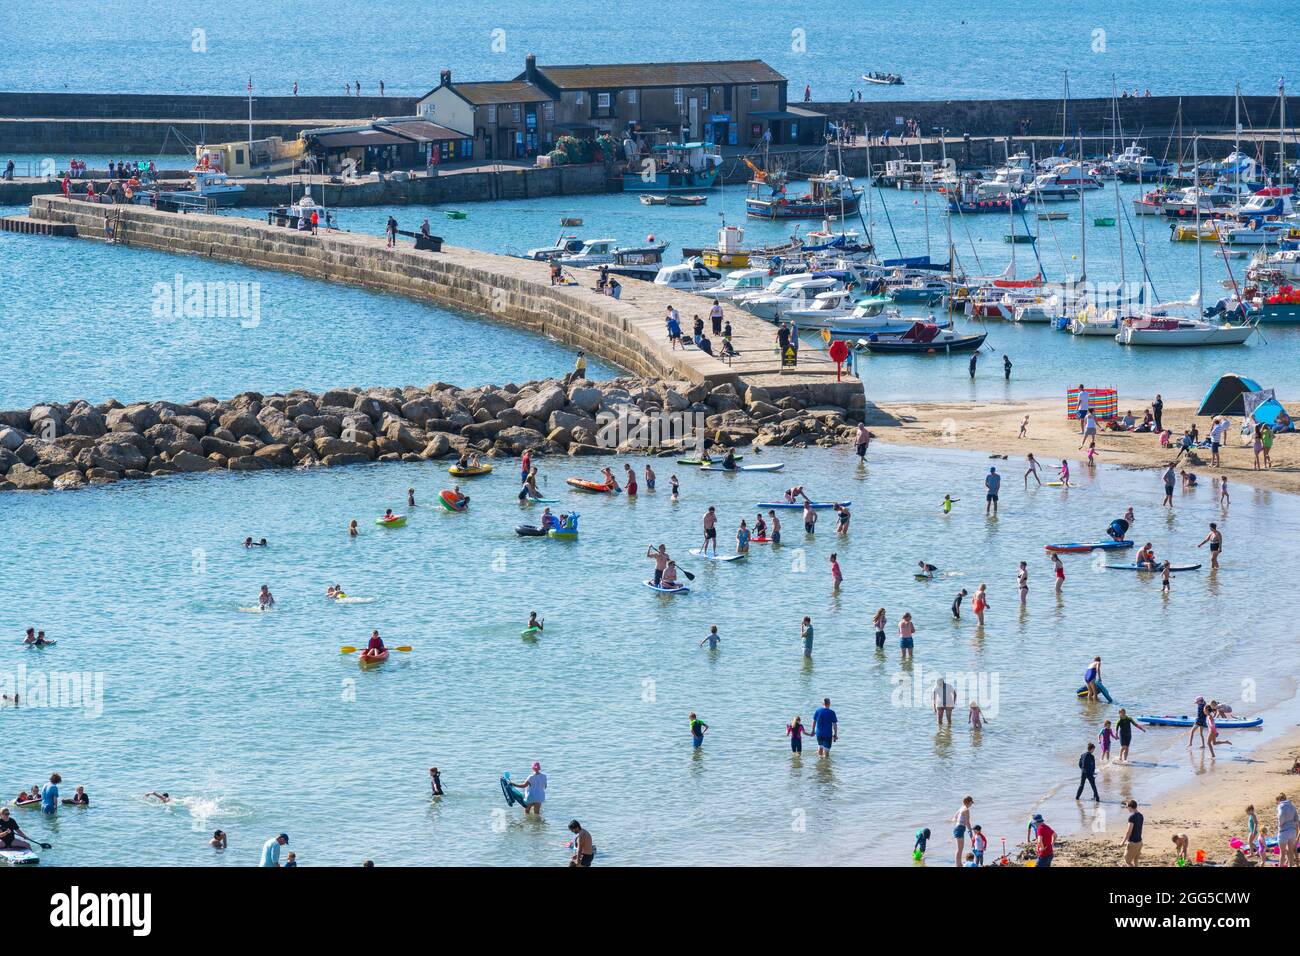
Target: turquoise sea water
x,y
259,724
139,46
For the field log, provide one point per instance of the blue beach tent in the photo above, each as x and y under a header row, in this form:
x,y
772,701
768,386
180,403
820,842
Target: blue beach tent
x,y
1237,395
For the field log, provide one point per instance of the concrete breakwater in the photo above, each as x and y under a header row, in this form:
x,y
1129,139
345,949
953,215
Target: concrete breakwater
x,y
76,444
627,332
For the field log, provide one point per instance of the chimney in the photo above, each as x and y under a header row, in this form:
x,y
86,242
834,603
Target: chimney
x,y
530,69
445,78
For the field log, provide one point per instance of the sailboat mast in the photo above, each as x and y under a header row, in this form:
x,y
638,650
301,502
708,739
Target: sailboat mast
x,y
1083,219
1281,131
1200,272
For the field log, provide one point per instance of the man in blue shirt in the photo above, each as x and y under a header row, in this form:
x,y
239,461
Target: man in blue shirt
x,y
50,794
271,850
826,727
993,482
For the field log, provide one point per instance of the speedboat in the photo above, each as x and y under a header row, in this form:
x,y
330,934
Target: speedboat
x,y
1135,164
643,264
1259,232
565,245
1162,329
1065,181
925,338
596,252
795,294
738,283
688,276
882,79
1268,203
211,188
1210,199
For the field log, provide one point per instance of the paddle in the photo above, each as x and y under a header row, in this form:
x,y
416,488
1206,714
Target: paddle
x,y
405,648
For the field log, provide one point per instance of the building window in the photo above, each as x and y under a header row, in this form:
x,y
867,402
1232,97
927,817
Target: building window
x,y
514,112
577,98
704,98
548,111
678,96
753,94
491,114
631,97
602,100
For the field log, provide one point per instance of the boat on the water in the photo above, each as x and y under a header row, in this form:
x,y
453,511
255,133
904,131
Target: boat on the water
x,y
1166,330
672,168
926,338
882,79
830,196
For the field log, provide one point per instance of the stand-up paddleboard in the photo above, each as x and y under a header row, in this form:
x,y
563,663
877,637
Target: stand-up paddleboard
x,y
449,501
1142,568
704,461
396,521
799,504
539,501
699,553
1074,547
775,466
513,794
353,600
18,857
680,589
1101,689
1059,484
1183,720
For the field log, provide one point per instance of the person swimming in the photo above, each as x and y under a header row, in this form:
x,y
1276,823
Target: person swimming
x,y
163,797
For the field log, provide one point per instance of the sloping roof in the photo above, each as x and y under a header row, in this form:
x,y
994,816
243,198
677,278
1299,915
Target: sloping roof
x,y
641,75
422,131
361,137
500,91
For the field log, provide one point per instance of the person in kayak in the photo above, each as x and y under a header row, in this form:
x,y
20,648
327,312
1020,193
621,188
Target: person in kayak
x,y
265,600
376,646
661,559
533,622
1118,528
12,836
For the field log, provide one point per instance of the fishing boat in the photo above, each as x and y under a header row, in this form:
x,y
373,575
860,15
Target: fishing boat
x,y
1053,216
1153,203
673,168
967,198
909,174
882,79
831,195
926,338
644,263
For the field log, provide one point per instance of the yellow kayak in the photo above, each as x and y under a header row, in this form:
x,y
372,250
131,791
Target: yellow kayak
x,y
470,471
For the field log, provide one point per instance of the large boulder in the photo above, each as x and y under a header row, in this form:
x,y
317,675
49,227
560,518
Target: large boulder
x,y
139,417
540,404
173,440
516,439
276,454
186,461
241,423
26,478
438,446
86,421
334,447
11,438
119,455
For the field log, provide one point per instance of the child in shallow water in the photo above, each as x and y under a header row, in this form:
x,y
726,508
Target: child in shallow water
x,y
1104,737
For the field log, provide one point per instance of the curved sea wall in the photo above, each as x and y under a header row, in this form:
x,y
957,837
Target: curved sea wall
x,y
69,444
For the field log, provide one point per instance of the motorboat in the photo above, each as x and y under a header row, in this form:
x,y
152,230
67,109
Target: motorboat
x,y
925,338
594,252
970,197
673,168
1236,167
795,294
643,264
1162,329
1153,203
830,195
690,276
564,245
1065,181
1135,164
739,283
911,174
882,79
210,189
1214,199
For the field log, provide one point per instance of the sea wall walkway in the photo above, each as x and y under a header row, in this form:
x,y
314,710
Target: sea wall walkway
x,y
629,332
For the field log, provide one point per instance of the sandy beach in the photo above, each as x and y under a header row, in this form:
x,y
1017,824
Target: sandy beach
x,y
994,427
1211,808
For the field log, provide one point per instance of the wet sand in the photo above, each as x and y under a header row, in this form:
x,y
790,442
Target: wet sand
x,y
994,427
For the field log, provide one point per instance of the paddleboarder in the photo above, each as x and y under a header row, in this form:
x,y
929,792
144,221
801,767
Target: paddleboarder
x,y
710,522
661,559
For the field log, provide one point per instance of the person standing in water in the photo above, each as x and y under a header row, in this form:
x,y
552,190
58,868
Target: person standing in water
x,y
864,437
649,478
1059,569
698,729
878,622
906,636
809,518
992,482
1022,581
1124,727
962,820
775,525
826,727
980,603
713,640
806,635
1088,773
1169,476
710,523
1006,367
1215,541
837,576
1031,469
265,600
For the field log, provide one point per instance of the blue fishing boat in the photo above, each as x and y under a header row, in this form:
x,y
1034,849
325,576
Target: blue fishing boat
x,y
673,168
